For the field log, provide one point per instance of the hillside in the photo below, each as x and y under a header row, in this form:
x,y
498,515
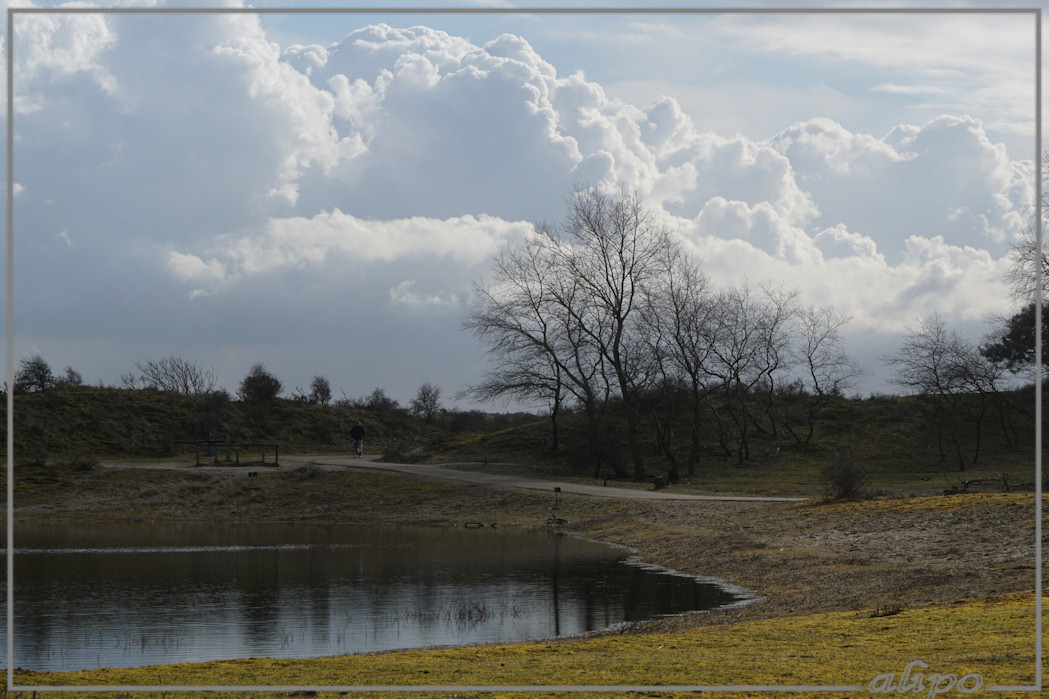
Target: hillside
x,y
85,423
894,439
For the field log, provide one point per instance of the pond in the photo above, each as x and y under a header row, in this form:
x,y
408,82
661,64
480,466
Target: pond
x,y
125,595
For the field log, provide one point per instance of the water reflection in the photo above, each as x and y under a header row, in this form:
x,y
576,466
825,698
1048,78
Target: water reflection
x,y
122,595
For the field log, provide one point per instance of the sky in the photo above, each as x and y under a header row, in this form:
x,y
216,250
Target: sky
x,y
319,192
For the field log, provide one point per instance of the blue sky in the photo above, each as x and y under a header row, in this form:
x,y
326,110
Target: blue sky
x,y
318,192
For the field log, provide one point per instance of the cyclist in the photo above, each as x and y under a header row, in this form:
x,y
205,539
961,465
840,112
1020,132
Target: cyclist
x,y
357,432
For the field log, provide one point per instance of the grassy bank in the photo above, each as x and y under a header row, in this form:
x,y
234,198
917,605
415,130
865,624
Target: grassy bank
x,y
993,638
851,589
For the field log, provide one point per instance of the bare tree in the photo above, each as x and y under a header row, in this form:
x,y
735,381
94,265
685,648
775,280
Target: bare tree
x,y
828,371
378,401
1029,260
427,402
676,328
952,377
749,341
70,377
174,374
538,353
612,247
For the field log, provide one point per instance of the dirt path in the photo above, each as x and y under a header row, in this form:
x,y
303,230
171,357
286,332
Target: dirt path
x,y
342,461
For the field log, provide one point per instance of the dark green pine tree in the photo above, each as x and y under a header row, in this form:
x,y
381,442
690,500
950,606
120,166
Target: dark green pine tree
x,y
1013,346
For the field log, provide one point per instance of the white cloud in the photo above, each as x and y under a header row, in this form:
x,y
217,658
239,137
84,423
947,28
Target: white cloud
x,y
391,166
53,49
944,177
404,294
338,239
961,283
195,271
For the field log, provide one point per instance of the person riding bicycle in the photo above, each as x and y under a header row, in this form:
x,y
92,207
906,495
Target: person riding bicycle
x,y
357,432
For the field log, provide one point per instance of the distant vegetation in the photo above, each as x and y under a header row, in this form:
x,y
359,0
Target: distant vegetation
x,y
646,368
860,443
80,424
609,317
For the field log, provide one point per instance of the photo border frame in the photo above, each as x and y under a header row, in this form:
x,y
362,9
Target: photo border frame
x,y
13,12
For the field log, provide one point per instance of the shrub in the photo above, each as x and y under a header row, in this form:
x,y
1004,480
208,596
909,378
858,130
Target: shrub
x,y
259,386
34,374
844,479
320,390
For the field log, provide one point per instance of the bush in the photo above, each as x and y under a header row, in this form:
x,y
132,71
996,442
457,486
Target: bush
x,y
320,390
844,479
34,374
259,387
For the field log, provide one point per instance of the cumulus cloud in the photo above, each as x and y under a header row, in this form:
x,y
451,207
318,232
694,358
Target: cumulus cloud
x,y
386,114
54,49
944,177
339,238
393,164
960,282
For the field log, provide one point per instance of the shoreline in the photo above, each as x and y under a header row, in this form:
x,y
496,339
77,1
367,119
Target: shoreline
x,y
865,564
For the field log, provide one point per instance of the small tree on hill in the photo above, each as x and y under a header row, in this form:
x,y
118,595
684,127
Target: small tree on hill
x,y
176,375
320,390
71,377
380,402
259,386
34,374
427,401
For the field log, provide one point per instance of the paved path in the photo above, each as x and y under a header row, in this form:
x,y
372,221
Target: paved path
x,y
481,478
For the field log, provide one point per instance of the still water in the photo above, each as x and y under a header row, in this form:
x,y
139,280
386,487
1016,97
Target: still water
x,y
125,595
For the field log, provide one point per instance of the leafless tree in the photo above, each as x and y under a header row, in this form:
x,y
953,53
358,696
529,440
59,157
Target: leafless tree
x,y
820,351
610,244
1029,260
70,377
427,402
954,379
173,374
524,317
676,328
749,338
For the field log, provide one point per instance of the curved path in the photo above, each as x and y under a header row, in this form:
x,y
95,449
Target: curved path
x,y
491,479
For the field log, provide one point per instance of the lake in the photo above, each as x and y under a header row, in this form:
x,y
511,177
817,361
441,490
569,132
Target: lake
x,y
90,596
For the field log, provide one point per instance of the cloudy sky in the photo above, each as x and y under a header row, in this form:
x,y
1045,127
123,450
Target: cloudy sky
x,y
317,192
